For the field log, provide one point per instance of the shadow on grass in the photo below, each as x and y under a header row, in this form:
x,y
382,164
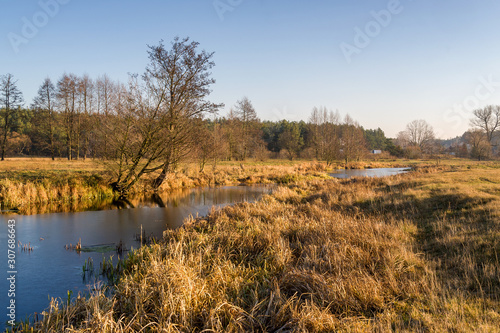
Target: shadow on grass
x,y
456,232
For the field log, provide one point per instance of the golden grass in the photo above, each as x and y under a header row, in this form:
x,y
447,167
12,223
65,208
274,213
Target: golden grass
x,y
39,185
46,164
408,253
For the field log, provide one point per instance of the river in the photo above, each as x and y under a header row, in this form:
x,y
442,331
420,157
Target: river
x,y
50,270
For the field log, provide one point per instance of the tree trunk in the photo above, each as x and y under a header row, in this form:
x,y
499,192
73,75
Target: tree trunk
x,y
85,147
4,144
69,144
52,151
4,139
162,176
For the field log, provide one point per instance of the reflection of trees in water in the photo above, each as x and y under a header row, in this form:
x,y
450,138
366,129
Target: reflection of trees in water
x,y
68,207
188,197
122,203
158,200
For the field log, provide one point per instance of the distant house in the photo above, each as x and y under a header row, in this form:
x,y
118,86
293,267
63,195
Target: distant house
x,y
376,151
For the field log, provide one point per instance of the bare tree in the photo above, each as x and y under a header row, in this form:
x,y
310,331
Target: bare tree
x,y
67,97
246,123
480,146
85,109
156,122
403,139
11,99
488,120
43,106
420,134
180,80
325,134
106,91
352,140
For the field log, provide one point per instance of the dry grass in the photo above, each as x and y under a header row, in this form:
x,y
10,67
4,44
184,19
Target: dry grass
x,y
412,253
39,185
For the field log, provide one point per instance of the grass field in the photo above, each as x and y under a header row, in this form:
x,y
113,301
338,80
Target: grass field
x,y
416,252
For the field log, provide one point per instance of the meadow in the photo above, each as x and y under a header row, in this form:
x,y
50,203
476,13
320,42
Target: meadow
x,y
409,253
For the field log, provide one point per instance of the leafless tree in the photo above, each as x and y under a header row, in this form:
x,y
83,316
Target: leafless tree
x,y
67,98
325,134
179,80
11,99
212,147
245,123
43,106
352,140
156,121
420,134
488,120
106,92
85,109
480,146
402,139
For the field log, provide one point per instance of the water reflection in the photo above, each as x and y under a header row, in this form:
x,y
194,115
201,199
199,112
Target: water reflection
x,y
51,270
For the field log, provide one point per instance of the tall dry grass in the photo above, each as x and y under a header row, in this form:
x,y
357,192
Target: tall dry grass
x,y
85,185
416,253
56,193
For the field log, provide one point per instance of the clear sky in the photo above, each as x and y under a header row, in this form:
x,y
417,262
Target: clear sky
x,y
385,63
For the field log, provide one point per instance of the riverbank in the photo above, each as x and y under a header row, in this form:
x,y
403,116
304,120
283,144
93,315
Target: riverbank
x,y
416,252
40,185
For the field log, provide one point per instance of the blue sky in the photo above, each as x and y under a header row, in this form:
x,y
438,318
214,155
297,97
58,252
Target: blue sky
x,y
432,60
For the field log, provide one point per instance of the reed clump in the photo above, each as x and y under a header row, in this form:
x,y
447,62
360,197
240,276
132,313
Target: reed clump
x,y
64,192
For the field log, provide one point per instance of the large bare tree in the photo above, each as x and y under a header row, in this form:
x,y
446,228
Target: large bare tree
x,y
419,134
156,119
488,120
11,99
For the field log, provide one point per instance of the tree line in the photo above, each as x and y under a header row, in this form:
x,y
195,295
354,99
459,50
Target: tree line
x,y
157,119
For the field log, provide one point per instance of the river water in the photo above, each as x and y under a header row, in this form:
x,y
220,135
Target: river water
x,y
380,172
50,270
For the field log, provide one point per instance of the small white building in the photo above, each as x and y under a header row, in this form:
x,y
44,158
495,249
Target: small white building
x,y
376,151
